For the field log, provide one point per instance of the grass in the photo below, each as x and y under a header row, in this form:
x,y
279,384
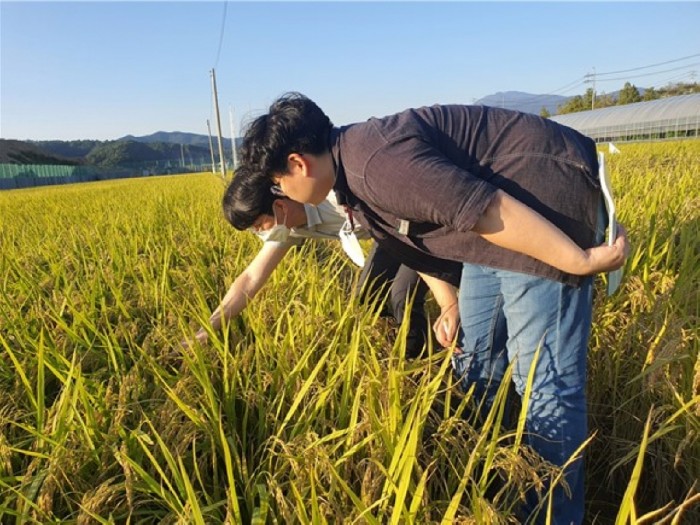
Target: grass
x,y
304,409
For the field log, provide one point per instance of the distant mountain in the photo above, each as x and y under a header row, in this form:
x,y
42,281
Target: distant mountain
x,y
114,153
520,101
72,149
118,153
130,152
21,152
531,103
179,137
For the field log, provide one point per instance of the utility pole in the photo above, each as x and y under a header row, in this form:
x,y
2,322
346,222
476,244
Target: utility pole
x,y
218,125
211,149
233,137
590,77
182,155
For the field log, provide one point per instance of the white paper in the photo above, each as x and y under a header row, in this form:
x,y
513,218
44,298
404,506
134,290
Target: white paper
x,y
615,277
351,246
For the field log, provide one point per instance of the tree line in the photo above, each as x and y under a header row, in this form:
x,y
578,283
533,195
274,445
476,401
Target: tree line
x,y
627,95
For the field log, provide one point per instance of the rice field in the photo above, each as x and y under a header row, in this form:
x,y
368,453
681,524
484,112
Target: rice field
x,y
304,410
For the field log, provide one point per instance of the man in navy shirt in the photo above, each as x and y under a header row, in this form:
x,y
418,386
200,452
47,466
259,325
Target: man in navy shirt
x,y
515,198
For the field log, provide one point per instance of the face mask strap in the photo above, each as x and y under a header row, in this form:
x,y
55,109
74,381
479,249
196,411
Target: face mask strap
x,y
284,218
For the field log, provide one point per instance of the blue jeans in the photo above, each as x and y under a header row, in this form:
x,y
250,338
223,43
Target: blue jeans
x,y
506,316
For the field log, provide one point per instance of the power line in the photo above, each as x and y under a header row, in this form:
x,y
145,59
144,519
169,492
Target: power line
x,y
221,34
651,65
689,76
648,74
559,91
568,87
577,85
594,77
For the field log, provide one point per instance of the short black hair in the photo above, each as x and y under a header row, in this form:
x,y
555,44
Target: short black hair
x,y
294,124
248,196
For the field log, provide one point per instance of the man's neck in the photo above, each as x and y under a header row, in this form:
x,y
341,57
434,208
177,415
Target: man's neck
x,y
297,215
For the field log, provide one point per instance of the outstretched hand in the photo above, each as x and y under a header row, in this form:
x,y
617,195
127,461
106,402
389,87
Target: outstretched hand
x,y
200,337
447,325
607,258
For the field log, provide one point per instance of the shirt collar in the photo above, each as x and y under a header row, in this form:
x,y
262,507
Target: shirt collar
x,y
342,190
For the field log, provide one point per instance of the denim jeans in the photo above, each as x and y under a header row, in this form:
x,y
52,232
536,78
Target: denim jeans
x,y
506,316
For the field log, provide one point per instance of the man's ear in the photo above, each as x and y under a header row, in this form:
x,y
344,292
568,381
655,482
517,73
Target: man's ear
x,y
280,205
297,164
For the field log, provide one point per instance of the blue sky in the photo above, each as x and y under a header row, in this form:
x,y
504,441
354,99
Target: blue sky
x,y
102,70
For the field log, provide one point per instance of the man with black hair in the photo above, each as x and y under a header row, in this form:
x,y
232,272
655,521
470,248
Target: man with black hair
x,y
254,204
516,199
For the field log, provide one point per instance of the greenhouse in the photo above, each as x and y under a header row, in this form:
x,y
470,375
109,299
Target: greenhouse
x,y
665,118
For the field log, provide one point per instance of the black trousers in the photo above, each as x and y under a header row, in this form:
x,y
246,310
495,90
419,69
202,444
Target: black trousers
x,y
381,271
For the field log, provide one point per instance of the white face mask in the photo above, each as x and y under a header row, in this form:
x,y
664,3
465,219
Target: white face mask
x,y
278,233
351,246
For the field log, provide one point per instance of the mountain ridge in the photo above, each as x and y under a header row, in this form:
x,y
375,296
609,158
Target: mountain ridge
x,y
176,137
522,101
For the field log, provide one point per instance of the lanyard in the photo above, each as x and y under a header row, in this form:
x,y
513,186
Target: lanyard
x,y
348,212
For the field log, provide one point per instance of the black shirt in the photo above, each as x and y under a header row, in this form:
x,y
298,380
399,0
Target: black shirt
x,y
423,177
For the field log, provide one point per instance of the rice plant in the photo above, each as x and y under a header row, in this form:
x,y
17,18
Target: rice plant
x,y
304,409
644,364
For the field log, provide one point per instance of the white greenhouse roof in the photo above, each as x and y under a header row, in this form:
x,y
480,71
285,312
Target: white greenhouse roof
x,y
681,108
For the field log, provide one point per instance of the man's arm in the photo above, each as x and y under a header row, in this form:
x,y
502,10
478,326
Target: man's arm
x,y
246,286
510,224
445,295
435,189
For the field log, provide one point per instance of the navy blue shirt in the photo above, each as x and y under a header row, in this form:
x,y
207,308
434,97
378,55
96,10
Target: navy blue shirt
x,y
422,178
